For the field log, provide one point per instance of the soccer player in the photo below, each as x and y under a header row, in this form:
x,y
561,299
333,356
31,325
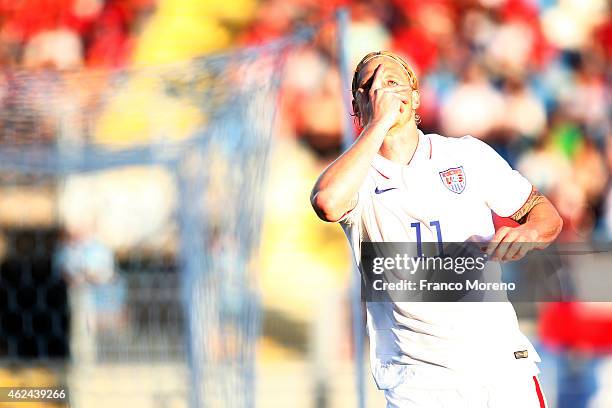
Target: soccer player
x,y
393,178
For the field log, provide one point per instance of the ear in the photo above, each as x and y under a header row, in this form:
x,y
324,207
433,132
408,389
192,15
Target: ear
x,y
416,99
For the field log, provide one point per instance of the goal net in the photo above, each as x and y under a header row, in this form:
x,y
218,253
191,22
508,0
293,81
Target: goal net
x,y
130,205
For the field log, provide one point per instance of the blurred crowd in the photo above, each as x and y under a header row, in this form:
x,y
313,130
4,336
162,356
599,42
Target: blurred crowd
x,y
530,77
69,34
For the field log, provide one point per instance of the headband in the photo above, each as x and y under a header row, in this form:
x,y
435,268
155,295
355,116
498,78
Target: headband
x,y
365,61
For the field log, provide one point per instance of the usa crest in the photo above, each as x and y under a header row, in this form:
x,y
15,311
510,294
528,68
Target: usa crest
x,y
454,179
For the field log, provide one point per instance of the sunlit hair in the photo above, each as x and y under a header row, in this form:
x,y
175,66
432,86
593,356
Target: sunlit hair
x,y
414,83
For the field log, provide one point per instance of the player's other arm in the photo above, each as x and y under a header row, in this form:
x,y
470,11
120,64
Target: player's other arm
x,y
336,191
510,194
540,224
539,215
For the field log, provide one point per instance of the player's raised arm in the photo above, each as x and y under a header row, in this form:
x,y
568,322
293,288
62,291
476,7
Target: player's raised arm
x,y
335,192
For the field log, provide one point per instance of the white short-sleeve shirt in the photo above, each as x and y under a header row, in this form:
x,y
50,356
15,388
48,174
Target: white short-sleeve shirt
x,y
449,188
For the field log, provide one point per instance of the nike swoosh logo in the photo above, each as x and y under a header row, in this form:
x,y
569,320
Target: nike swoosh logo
x,y
377,191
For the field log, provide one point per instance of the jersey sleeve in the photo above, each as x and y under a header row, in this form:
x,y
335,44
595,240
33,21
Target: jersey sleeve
x,y
504,189
351,217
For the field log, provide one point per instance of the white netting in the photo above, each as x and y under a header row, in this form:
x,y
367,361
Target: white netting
x,y
129,211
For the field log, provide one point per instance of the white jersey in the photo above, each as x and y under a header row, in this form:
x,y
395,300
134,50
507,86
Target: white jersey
x,y
449,188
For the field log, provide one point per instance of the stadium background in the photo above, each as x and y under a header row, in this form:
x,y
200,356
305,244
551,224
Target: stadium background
x,y
530,77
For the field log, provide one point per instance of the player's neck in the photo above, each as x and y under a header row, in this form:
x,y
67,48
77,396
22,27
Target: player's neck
x,y
400,143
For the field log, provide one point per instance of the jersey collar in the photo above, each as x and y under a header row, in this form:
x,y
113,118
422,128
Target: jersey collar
x,y
387,169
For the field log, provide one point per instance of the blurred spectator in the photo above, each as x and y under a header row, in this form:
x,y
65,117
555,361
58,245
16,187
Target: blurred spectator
x,y
524,113
84,260
367,31
88,266
545,167
97,294
474,107
63,34
109,39
313,101
58,49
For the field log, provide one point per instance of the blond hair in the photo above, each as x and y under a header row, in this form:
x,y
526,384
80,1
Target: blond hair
x,y
414,83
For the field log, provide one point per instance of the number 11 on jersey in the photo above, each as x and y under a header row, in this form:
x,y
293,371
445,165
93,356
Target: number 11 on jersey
x,y
417,227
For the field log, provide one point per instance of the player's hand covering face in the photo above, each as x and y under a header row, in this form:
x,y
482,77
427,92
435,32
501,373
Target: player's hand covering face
x,y
384,95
